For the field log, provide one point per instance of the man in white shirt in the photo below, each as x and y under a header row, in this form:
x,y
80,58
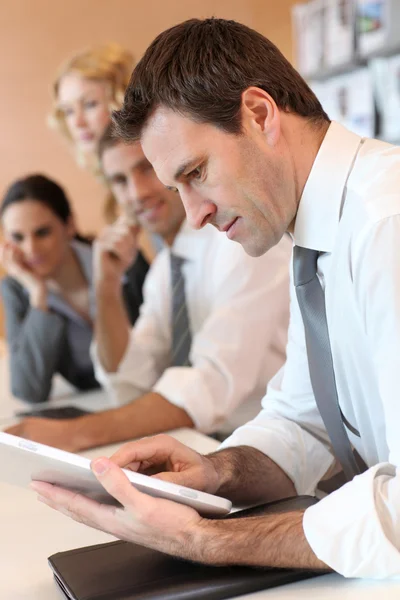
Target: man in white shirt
x,y
237,309
250,149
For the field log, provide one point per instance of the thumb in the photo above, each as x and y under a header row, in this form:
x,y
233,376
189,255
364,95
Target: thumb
x,y
116,483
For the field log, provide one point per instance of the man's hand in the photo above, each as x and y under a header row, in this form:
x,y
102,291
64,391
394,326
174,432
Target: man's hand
x,y
160,524
115,250
275,540
243,474
12,261
59,433
171,460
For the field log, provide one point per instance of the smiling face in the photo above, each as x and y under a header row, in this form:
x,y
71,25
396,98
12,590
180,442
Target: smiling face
x,y
85,104
40,235
242,184
140,193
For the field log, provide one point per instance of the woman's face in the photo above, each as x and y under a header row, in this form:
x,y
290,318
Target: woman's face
x,y
41,236
85,104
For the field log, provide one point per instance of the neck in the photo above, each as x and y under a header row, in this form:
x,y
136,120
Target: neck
x,y
304,140
169,237
69,275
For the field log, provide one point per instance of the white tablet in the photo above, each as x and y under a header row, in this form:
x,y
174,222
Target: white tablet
x,y
22,461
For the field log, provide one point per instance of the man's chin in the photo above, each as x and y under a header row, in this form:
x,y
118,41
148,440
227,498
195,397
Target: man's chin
x,y
153,228
255,249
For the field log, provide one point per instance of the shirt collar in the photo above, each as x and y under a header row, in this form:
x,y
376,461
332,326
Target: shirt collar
x,y
320,205
189,243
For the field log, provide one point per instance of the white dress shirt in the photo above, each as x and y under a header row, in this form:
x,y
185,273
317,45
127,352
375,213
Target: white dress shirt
x,y
238,310
350,210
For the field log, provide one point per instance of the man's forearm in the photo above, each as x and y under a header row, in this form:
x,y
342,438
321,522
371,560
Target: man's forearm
x,y
149,414
112,327
276,540
248,477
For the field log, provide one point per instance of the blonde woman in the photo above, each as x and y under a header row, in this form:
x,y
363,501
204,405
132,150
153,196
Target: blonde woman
x,y
88,87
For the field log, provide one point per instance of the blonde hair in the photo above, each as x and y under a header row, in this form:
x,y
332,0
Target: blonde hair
x,y
110,63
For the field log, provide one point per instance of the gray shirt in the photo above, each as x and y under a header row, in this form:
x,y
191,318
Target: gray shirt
x,y
58,340
42,343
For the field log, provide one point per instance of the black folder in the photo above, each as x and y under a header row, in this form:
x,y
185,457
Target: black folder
x,y
124,571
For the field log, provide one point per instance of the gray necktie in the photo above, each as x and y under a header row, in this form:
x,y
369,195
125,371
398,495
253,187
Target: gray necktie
x,y
181,336
311,300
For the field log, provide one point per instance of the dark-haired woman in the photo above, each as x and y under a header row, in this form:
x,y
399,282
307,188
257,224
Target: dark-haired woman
x,y
48,294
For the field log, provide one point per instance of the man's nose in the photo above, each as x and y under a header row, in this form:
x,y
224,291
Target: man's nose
x,y
199,212
138,189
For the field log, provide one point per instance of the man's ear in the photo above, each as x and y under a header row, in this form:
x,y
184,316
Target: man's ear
x,y
260,112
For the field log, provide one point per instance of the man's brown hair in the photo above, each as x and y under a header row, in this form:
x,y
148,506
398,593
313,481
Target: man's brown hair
x,y
200,68
109,139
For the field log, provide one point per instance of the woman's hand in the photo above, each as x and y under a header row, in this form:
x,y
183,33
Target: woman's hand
x,y
12,260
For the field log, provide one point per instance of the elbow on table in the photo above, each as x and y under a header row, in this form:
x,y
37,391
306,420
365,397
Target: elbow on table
x,y
23,389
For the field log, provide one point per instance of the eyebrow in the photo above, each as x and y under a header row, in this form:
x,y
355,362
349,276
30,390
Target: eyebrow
x,y
84,97
34,232
186,166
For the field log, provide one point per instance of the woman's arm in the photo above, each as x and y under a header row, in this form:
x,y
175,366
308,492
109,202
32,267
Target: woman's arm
x,y
35,340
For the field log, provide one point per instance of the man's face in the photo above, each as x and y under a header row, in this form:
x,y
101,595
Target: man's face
x,y
243,184
139,192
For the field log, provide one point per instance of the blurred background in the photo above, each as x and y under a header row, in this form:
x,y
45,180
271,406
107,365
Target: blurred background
x,y
36,37
349,51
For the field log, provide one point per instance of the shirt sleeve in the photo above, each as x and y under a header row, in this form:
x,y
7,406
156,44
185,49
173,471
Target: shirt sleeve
x,y
289,428
249,312
356,529
35,341
363,538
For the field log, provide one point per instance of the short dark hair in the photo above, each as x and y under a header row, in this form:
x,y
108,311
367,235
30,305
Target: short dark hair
x,y
109,139
200,68
44,190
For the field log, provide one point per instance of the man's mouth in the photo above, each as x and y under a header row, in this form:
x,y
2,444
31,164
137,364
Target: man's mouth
x,y
229,228
151,213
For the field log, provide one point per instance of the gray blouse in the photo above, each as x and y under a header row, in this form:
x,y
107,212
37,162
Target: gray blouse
x,y
43,343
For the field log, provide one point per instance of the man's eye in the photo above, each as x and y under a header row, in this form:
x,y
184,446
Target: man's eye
x,y
119,181
17,238
195,174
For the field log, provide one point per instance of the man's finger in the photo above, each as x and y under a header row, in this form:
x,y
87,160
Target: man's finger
x,y
76,506
116,483
183,478
151,450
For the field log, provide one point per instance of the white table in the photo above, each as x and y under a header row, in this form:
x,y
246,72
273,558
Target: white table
x,y
62,394
30,531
